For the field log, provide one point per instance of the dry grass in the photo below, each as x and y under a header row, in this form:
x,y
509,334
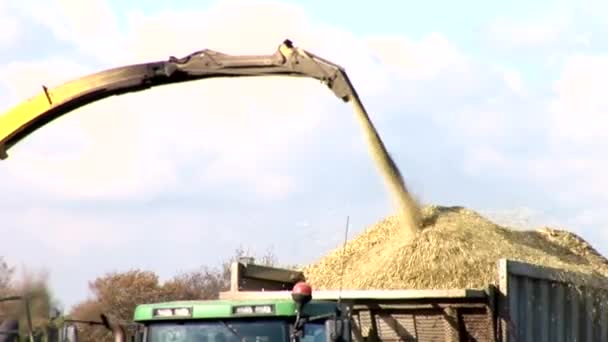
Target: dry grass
x,y
458,248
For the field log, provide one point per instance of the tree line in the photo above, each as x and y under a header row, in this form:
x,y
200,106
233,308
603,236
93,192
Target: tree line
x,y
116,294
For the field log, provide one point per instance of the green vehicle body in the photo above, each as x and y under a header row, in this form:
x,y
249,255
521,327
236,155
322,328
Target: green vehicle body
x,y
236,320
263,304
225,309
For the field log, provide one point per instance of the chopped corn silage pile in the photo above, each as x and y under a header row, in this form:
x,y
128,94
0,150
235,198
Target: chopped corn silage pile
x,y
458,248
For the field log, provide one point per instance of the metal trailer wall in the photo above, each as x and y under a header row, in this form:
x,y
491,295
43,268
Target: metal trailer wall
x,y
542,304
424,320
530,304
247,276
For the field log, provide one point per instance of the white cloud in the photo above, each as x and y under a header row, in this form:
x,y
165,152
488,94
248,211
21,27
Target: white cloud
x,y
549,30
577,133
10,29
135,145
89,25
63,232
513,81
576,180
579,111
234,27
421,60
594,9
525,218
484,157
572,132
584,39
96,151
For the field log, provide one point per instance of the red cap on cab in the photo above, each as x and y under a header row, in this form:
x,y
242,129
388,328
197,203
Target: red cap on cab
x,y
301,293
302,288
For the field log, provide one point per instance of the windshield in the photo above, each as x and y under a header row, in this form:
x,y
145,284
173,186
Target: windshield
x,y
313,332
218,331
231,331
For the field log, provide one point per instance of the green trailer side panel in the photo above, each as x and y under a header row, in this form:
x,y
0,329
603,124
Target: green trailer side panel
x,y
212,309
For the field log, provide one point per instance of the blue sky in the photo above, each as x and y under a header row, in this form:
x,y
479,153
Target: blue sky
x,y
497,107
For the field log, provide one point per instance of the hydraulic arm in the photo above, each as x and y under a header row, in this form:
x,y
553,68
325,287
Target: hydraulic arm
x,y
288,60
50,104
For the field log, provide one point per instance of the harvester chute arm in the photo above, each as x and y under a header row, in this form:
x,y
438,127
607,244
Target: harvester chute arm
x,y
50,104
286,61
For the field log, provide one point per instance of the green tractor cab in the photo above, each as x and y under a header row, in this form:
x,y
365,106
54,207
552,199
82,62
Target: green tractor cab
x,y
280,308
273,320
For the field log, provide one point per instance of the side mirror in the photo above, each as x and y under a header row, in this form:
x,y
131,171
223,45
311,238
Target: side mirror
x,y
337,330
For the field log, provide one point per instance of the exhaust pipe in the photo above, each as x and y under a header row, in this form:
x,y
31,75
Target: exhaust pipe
x,y
117,330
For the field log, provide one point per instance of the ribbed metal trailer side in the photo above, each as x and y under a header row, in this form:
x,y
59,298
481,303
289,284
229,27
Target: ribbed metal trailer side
x,y
542,304
530,304
407,315
424,320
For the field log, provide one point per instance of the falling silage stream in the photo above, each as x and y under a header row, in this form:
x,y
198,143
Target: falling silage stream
x,y
408,208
